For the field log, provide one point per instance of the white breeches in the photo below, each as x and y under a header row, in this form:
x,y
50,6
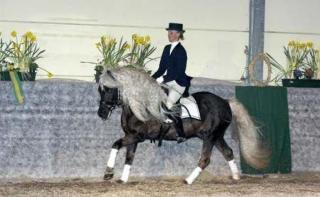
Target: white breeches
x,y
175,92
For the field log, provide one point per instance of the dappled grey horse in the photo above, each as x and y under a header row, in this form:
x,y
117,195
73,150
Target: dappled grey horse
x,y
142,118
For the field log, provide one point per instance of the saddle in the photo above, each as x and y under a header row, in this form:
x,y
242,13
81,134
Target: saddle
x,y
188,109
188,105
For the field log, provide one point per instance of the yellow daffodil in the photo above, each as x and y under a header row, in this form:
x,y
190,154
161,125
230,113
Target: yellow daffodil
x,y
126,46
134,36
291,43
136,41
114,52
108,40
15,47
14,34
28,35
112,41
147,39
50,75
310,45
98,45
302,45
33,38
297,45
140,40
105,40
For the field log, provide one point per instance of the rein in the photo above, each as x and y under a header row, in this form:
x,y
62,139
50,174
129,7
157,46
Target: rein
x,y
115,100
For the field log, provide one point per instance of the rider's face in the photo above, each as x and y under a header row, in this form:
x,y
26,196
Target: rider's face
x,y
173,35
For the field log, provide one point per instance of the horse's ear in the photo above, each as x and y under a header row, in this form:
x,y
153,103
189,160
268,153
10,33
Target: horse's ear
x,y
111,75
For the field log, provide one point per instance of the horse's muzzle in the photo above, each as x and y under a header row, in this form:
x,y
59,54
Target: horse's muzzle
x,y
104,114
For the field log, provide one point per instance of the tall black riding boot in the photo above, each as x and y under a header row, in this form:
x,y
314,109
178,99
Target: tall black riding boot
x,y
181,137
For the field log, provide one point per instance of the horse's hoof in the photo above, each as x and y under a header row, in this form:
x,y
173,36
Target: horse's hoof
x,y
181,139
120,181
236,176
186,182
108,174
107,177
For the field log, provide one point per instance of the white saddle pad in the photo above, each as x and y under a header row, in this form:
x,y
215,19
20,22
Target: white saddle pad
x,y
189,108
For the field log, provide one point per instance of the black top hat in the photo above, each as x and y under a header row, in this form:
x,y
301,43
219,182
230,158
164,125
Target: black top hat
x,y
176,27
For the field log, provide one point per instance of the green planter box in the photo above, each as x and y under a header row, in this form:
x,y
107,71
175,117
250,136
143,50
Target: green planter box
x,y
301,83
31,76
269,108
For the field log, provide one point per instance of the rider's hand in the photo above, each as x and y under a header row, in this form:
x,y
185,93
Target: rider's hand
x,y
159,80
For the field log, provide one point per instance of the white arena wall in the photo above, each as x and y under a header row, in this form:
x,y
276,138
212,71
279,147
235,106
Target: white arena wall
x,y
217,31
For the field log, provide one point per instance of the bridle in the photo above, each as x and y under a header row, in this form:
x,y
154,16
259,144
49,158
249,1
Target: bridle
x,y
112,100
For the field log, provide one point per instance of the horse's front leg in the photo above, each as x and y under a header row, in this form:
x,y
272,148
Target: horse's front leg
x,y
131,150
117,145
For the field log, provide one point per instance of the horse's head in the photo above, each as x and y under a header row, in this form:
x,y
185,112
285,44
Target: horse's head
x,y
138,90
109,99
109,95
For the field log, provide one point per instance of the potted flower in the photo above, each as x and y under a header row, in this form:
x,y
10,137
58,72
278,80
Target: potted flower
x,y
312,64
140,52
112,53
4,48
22,53
121,53
302,65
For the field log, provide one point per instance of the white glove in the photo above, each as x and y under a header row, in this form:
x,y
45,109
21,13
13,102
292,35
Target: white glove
x,y
160,79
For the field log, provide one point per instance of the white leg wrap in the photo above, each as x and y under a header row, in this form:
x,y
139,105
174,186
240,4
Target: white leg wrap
x,y
112,158
234,170
195,173
125,173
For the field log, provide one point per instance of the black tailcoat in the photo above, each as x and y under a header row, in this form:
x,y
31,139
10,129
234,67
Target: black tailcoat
x,y
175,65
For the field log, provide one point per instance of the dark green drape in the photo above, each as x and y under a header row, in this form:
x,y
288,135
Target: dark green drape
x,y
269,108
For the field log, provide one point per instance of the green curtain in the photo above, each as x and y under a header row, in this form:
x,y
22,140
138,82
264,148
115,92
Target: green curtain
x,y
269,108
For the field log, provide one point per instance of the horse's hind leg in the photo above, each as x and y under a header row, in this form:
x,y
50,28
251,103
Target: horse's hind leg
x,y
203,162
227,153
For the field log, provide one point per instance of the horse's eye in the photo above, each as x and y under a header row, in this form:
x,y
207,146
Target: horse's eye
x,y
111,75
